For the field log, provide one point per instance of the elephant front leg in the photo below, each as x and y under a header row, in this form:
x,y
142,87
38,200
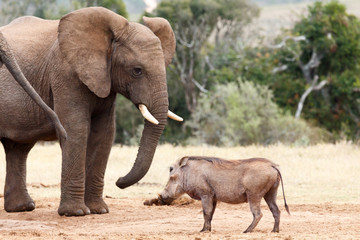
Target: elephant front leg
x,y
99,146
73,171
16,195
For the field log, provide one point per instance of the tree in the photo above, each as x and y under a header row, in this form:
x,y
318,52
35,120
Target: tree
x,y
313,69
309,70
51,9
11,9
193,22
328,50
116,6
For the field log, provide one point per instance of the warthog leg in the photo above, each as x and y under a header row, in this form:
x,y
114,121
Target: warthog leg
x,y
208,205
270,198
256,211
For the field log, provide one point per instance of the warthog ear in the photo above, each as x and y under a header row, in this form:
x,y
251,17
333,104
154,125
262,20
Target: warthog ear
x,y
183,161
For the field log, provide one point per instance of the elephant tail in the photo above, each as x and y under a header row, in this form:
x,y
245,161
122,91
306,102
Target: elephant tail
x,y
7,57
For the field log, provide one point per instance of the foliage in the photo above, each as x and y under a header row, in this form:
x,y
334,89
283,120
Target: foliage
x,y
212,55
193,22
274,2
11,9
116,6
334,36
51,9
244,113
330,33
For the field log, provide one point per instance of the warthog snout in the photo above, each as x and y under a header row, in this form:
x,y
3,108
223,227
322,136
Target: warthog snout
x,y
166,200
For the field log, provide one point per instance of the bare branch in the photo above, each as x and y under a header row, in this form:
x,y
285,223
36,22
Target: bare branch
x,y
307,69
279,69
207,60
198,85
307,92
312,64
283,42
352,115
320,85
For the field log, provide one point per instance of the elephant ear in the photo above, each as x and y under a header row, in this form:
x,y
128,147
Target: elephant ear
x,y
85,38
162,29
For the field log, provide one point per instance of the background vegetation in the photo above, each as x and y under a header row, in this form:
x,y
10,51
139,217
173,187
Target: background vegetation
x,y
234,86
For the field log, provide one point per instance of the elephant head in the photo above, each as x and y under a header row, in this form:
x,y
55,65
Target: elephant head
x,y
7,58
110,54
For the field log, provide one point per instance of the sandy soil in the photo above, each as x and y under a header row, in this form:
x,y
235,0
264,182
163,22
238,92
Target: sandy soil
x,y
130,219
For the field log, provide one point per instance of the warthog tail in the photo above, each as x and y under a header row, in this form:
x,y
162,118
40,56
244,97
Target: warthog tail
x,y
282,186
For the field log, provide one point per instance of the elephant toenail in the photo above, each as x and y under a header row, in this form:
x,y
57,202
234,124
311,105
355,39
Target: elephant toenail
x,y
30,206
79,212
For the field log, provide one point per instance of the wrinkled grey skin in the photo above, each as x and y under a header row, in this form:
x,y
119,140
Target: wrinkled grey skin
x,y
212,179
77,65
7,58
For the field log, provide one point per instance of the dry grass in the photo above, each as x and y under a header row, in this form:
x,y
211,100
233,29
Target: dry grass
x,y
322,173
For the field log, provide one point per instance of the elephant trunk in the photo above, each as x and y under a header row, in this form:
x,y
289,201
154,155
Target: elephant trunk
x,y
149,140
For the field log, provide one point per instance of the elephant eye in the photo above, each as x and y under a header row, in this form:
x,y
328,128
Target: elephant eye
x,y
171,168
137,72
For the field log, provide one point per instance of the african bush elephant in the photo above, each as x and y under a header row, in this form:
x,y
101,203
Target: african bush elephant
x,y
7,58
77,65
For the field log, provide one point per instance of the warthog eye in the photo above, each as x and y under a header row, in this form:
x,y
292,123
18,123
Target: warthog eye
x,y
171,168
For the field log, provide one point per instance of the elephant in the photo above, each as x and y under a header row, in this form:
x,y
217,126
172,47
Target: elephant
x,y
78,65
7,58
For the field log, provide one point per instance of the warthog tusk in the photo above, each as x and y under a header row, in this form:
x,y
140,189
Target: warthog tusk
x,y
147,115
174,116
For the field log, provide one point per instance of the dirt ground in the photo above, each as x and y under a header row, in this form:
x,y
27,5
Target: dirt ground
x,y
130,219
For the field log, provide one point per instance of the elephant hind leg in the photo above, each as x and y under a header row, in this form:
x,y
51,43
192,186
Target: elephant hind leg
x,y
16,195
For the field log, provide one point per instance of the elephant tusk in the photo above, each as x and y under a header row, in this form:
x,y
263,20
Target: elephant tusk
x,y
147,115
174,116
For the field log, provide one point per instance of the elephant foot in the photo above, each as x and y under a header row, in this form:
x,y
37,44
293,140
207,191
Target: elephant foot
x,y
97,206
73,208
19,205
18,202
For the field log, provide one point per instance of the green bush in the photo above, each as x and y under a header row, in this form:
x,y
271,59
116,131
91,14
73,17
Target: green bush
x,y
244,113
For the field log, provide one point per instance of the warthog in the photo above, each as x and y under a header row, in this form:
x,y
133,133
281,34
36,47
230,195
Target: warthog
x,y
212,179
